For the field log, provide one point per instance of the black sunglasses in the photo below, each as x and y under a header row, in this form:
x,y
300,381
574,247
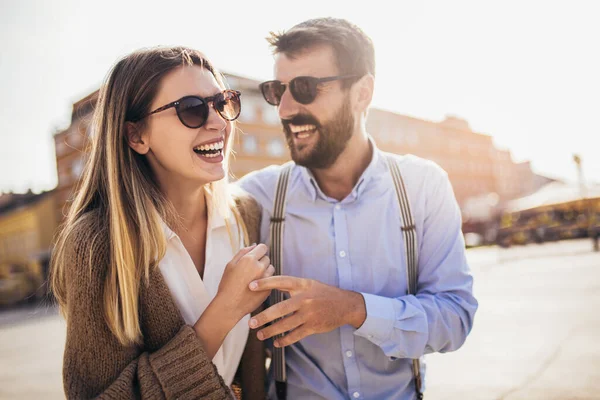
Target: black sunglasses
x,y
193,110
302,88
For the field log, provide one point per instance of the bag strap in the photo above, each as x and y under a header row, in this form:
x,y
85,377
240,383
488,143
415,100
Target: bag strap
x,y
275,250
409,234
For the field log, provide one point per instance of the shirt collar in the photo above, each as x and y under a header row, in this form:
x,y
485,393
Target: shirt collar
x,y
169,234
215,219
370,172
315,191
310,182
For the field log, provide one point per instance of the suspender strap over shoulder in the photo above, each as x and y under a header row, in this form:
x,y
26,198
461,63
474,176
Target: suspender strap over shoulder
x,y
407,225
276,238
409,233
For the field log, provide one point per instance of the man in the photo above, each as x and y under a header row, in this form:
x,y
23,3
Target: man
x,y
351,330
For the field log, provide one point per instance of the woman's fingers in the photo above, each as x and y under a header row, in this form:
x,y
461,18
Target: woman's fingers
x,y
242,253
259,251
264,262
269,271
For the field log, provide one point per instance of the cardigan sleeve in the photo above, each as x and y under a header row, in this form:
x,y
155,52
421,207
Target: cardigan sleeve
x,y
97,365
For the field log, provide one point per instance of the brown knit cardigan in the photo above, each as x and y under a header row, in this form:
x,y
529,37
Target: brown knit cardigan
x,y
171,362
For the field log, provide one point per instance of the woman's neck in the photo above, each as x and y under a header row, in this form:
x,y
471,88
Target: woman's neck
x,y
190,205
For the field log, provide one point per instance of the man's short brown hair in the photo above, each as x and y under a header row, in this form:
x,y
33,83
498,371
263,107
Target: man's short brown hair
x,y
353,49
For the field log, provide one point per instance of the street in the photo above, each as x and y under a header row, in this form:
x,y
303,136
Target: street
x,y
534,335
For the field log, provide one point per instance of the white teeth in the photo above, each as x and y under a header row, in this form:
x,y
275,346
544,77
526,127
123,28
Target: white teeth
x,y
212,146
302,128
212,155
302,135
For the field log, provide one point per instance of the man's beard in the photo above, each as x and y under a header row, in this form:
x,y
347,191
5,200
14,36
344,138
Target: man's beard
x,y
332,140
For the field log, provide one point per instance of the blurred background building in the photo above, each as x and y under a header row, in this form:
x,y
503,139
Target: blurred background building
x,y
27,225
475,166
485,178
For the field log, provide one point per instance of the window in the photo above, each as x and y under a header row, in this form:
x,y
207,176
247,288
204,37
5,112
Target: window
x,y
454,146
248,113
397,138
249,144
61,147
75,139
63,178
77,168
270,115
275,148
382,132
412,138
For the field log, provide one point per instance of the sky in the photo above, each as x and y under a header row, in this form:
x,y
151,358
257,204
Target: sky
x,y
525,72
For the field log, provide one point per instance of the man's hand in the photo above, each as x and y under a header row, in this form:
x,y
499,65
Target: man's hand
x,y
312,308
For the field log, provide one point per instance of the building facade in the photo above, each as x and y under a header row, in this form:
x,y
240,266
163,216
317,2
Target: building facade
x,y
474,165
28,224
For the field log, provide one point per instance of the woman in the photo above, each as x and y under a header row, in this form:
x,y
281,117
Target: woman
x,y
146,268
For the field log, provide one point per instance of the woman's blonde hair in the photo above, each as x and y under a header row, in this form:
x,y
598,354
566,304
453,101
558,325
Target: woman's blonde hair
x,y
119,184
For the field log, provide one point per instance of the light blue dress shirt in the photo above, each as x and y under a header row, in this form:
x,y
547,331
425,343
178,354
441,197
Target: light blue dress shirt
x,y
356,244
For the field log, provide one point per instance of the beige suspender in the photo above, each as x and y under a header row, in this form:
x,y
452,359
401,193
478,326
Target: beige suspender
x,y
409,234
276,238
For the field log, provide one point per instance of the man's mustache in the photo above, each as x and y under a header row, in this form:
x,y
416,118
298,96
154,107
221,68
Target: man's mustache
x,y
300,119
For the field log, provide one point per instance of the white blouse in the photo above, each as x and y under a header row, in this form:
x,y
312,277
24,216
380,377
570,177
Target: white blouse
x,y
192,294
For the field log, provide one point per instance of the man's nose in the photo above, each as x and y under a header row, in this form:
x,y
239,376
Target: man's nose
x,y
288,106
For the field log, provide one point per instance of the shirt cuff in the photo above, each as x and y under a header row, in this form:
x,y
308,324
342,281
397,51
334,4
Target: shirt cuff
x,y
379,324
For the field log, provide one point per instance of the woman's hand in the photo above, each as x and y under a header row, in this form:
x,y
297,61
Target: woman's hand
x,y
248,264
234,299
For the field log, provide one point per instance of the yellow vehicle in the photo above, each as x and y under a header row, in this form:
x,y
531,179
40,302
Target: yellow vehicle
x,y
570,220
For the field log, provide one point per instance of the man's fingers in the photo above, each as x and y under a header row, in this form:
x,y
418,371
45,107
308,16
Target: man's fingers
x,y
272,313
282,326
297,334
281,282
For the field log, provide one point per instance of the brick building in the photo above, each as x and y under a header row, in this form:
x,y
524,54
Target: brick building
x,y
475,166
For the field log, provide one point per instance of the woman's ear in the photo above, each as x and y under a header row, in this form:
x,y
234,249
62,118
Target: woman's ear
x,y
135,138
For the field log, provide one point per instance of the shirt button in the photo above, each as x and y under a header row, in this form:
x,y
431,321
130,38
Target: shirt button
x,y
348,354
356,395
338,207
342,254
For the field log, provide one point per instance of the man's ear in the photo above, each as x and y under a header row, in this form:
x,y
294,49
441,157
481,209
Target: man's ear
x,y
364,92
135,138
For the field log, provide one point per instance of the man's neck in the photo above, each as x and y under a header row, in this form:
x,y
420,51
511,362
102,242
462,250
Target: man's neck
x,y
338,180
